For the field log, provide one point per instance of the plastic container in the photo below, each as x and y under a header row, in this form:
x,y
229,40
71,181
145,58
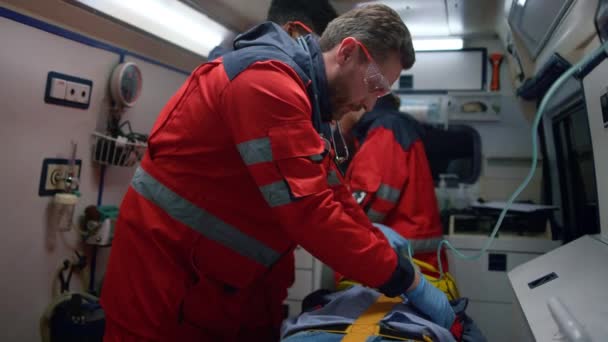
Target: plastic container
x,y
108,211
461,200
64,205
105,232
443,195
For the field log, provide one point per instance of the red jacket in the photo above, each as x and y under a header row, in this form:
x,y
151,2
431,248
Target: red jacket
x,y
390,176
235,176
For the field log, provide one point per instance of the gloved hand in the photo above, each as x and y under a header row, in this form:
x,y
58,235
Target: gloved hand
x,y
404,275
432,302
398,242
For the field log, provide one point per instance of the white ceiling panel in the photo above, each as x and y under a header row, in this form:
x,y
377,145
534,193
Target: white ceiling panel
x,y
424,18
237,15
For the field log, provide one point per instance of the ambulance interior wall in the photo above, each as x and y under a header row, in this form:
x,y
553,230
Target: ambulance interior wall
x,y
32,130
507,143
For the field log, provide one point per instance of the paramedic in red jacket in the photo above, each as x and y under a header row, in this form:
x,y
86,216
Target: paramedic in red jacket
x,y
238,171
390,176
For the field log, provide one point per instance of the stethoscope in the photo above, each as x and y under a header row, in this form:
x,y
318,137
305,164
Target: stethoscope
x,y
323,128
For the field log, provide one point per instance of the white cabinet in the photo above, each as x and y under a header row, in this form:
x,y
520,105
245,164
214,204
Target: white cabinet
x,y
535,20
565,290
484,281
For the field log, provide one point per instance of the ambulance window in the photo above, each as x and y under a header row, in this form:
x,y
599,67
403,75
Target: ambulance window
x,y
456,150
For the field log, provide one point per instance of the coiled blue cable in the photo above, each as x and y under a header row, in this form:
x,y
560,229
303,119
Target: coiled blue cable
x,y
591,58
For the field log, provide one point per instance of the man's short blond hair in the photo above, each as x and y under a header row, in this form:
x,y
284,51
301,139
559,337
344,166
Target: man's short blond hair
x,y
378,27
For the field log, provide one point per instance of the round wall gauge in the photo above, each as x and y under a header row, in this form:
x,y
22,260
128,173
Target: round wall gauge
x,y
125,84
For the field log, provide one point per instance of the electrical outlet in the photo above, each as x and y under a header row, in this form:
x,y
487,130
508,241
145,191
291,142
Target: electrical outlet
x,y
66,90
85,93
54,172
71,92
77,92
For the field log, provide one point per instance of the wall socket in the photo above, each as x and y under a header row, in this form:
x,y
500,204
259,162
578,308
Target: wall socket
x,y
52,177
67,90
77,92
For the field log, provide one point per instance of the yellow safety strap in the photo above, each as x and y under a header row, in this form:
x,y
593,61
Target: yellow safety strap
x,y
447,283
367,324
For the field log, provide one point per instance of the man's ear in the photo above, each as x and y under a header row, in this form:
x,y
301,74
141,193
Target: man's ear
x,y
347,50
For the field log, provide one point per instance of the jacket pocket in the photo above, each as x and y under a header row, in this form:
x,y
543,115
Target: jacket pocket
x,y
299,152
214,307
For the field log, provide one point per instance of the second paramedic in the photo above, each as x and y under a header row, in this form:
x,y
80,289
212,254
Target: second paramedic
x,y
390,176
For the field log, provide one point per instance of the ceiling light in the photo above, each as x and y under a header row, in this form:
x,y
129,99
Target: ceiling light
x,y
170,20
437,44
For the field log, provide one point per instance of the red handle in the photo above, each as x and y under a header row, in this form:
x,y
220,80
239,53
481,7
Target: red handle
x,y
495,59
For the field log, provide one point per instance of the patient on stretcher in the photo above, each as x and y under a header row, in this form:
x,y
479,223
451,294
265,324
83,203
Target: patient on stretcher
x,y
363,314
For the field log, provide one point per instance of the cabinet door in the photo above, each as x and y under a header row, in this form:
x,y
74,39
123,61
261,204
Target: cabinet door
x,y
535,21
496,321
476,281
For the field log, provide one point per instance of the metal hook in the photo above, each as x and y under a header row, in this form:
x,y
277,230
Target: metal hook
x,y
71,180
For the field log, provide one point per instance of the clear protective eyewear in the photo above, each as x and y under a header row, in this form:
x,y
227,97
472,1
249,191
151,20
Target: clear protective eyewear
x,y
302,26
375,81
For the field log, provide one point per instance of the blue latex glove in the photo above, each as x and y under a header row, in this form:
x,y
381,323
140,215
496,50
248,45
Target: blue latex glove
x,y
398,242
432,302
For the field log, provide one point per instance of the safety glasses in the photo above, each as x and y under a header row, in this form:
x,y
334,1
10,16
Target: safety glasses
x,y
375,81
302,26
